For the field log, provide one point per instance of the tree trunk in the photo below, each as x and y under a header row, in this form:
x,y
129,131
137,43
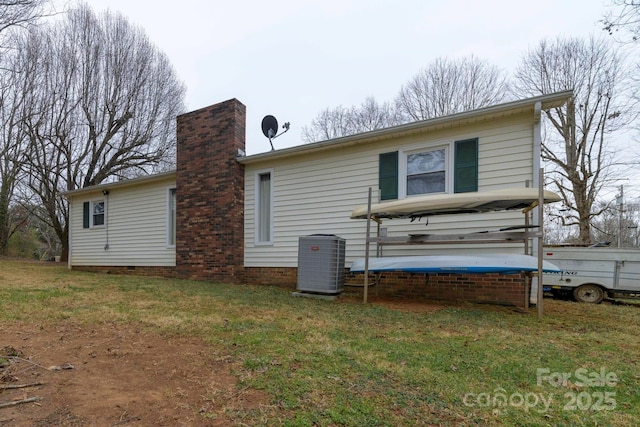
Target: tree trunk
x,y
4,219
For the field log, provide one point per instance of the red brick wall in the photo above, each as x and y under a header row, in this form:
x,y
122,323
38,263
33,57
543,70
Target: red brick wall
x,y
167,272
507,289
484,288
210,193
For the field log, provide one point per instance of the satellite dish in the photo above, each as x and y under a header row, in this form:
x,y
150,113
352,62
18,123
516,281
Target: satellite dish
x,y
270,128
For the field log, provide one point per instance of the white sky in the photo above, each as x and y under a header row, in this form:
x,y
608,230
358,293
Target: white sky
x,y
294,58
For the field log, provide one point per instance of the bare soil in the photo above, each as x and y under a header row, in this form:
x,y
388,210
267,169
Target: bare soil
x,y
115,375
124,375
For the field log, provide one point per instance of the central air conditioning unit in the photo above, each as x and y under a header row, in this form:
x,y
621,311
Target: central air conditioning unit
x,y
321,264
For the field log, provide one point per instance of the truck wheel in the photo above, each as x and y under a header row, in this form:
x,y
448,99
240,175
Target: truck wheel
x,y
591,294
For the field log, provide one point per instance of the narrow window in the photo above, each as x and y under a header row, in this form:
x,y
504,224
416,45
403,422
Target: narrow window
x,y
264,219
97,214
171,218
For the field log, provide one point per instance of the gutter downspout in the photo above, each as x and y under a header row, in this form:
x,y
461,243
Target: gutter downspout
x,y
537,160
537,145
537,183
105,193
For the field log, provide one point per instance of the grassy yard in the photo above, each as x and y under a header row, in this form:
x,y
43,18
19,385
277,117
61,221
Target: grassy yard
x,y
345,363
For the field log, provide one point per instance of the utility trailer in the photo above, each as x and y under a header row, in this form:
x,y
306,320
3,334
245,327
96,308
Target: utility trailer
x,y
590,273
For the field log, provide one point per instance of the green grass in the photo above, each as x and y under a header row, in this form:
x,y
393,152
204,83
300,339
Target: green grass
x,y
331,363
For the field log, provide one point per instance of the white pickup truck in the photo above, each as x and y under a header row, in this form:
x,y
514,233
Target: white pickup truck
x,y
588,274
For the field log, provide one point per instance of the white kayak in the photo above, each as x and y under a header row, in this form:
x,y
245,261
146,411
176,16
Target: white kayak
x,y
442,204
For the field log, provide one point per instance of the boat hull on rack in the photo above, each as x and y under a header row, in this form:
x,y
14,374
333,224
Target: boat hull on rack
x,y
465,264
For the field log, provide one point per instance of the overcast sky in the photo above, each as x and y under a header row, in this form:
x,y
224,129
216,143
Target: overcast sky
x,y
294,58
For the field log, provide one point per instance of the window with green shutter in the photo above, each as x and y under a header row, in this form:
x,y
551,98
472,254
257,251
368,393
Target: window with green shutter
x,y
388,176
428,170
465,178
93,214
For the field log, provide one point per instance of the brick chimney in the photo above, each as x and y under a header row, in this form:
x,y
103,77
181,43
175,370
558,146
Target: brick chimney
x,y
210,193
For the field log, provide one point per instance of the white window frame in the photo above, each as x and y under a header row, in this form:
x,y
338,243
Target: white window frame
x,y
104,213
402,166
257,203
171,220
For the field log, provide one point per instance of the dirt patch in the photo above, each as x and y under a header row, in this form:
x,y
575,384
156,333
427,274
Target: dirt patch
x,y
126,375
115,375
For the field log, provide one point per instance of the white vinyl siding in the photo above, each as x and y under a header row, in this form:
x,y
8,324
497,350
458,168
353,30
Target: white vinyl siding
x,y
315,194
137,228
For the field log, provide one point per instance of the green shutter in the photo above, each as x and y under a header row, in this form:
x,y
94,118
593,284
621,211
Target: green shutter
x,y
466,166
388,176
85,215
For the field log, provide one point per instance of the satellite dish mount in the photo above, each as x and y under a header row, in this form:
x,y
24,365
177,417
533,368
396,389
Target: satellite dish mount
x,y
270,128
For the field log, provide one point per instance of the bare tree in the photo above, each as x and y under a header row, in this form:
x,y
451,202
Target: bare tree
x,y
445,87
626,17
578,146
342,121
617,227
623,23
14,14
20,12
101,102
451,86
12,145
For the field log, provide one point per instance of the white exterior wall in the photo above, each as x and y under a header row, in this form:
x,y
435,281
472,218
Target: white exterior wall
x,y
136,228
315,194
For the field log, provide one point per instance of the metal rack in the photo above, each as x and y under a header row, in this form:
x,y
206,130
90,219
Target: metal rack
x,y
526,237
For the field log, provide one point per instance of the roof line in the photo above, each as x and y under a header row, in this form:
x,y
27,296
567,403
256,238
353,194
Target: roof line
x,y
118,184
548,101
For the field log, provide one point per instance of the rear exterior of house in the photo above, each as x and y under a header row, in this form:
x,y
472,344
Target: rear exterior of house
x,y
239,218
126,225
315,192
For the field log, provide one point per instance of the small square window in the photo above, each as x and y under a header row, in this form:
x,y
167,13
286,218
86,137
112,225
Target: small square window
x,y
426,172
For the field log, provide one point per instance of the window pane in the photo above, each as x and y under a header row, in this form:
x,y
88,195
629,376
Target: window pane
x,y
426,183
426,172
264,206
98,208
98,220
172,217
428,161
98,213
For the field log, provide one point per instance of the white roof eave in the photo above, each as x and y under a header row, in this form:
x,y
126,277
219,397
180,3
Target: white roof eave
x,y
501,110
120,184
